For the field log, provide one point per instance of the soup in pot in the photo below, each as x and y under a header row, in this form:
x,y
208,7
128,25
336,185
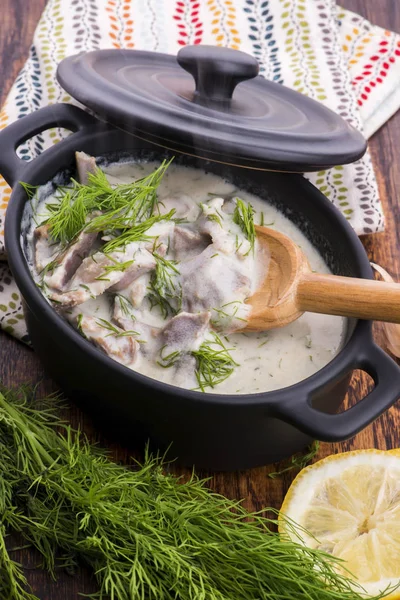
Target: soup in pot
x,y
153,263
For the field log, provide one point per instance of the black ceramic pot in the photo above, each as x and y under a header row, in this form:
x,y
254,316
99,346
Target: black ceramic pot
x,y
211,431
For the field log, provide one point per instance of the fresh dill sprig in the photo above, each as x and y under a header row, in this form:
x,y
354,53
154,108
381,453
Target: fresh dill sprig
x,y
224,314
67,216
298,461
143,532
122,206
47,269
168,360
164,289
126,306
114,330
122,266
137,198
214,363
243,215
136,233
30,189
211,216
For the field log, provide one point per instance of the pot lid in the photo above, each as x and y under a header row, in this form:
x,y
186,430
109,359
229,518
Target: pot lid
x,y
210,102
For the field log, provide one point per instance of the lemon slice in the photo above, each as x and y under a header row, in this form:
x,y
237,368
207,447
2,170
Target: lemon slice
x,y
349,505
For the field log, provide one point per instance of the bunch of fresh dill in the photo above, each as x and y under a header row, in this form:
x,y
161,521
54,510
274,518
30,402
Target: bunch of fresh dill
x,y
146,534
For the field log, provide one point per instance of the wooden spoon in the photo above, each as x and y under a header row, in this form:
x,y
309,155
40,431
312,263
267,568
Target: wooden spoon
x,y
291,288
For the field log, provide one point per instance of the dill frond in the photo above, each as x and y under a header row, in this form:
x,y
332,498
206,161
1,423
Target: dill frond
x,y
116,331
68,216
126,306
298,461
122,206
168,360
164,289
214,363
228,312
30,189
212,216
136,233
243,215
123,266
142,531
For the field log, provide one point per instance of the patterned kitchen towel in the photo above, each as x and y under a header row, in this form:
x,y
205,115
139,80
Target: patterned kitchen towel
x,y
313,46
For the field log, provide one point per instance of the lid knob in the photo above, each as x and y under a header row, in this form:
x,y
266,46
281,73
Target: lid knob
x,y
216,71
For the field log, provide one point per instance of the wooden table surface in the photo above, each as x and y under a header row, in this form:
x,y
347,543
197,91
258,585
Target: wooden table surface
x,y
19,364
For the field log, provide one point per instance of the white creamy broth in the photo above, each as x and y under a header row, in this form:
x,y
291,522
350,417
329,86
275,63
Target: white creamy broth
x,y
264,361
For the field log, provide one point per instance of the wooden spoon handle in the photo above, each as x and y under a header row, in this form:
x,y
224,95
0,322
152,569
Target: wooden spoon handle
x,y
349,297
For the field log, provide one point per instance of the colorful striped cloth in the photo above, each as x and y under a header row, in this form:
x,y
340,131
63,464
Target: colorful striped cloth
x,y
313,46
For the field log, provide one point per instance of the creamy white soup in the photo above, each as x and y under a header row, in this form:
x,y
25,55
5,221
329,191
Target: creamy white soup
x,y
153,265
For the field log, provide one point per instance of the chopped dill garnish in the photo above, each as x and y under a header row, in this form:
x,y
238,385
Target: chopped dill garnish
x,y
126,306
262,219
165,290
224,314
30,189
49,267
237,244
68,216
298,461
137,199
214,363
87,288
114,330
211,216
243,215
216,218
123,266
168,360
79,324
122,206
136,233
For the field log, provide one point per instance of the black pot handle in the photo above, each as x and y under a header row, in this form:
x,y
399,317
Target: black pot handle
x,y
334,428
55,115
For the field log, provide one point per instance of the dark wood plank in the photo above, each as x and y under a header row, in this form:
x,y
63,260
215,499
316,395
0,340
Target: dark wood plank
x,y
19,364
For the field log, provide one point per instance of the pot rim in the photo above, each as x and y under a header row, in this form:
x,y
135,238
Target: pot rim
x,y
344,362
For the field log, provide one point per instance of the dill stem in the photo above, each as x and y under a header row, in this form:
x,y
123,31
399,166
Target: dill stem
x,y
12,579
